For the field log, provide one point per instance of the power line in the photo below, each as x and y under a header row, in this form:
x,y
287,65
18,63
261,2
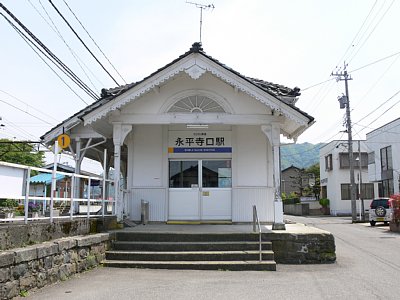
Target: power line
x,y
36,117
372,31
98,47
374,62
83,43
67,70
31,45
358,32
58,33
43,113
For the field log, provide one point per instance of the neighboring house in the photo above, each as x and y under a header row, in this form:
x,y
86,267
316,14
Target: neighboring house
x,y
196,139
41,184
335,176
11,181
293,179
383,145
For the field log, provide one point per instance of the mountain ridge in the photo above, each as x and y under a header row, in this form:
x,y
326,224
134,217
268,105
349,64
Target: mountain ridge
x,y
302,155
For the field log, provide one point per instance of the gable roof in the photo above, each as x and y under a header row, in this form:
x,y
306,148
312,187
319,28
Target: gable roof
x,y
285,95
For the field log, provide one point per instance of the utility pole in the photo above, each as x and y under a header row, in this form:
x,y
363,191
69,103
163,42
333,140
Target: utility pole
x,y
345,103
362,214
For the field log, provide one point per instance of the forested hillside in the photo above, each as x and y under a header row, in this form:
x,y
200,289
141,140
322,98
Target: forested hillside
x,y
299,155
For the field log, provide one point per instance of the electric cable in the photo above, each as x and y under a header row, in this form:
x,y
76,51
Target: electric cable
x,y
72,75
31,45
58,33
98,47
43,113
83,43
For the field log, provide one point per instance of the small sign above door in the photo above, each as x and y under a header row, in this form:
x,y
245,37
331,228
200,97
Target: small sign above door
x,y
199,142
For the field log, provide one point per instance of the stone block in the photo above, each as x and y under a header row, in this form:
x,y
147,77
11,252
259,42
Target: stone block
x,y
52,275
27,283
6,258
88,240
41,279
83,253
25,254
19,270
5,274
46,249
104,236
9,290
65,243
48,262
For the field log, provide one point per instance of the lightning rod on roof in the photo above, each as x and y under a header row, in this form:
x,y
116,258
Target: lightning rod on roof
x,y
202,7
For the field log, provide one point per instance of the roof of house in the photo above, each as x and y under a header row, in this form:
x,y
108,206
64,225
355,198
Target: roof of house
x,y
45,178
282,93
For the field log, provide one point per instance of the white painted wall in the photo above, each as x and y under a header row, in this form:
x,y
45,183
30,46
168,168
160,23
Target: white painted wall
x,y
164,97
339,176
387,135
11,182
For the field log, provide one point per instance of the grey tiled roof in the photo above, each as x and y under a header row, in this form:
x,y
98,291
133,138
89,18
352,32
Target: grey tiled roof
x,y
282,93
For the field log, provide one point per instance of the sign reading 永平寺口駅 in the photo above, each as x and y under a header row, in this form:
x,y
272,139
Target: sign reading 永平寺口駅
x,y
199,142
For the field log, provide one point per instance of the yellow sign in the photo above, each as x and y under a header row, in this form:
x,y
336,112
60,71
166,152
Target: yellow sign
x,y
63,141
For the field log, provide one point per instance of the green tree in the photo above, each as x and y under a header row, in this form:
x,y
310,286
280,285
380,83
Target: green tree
x,y
20,153
314,169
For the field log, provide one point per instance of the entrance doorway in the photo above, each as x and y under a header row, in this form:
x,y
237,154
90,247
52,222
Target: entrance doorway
x,y
200,189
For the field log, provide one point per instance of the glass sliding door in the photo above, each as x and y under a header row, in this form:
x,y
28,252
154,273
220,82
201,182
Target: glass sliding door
x,y
200,189
216,190
184,190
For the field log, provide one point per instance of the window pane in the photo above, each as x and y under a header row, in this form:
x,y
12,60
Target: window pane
x,y
217,173
183,174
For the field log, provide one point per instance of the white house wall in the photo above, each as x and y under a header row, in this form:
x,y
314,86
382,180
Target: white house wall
x,y
11,182
159,99
338,176
250,167
387,135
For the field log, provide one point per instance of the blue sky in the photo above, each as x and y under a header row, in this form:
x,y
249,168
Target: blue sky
x,y
290,42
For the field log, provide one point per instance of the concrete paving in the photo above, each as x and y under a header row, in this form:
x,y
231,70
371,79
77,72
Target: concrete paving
x,y
291,228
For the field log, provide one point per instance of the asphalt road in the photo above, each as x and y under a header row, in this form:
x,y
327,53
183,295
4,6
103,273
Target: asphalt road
x,y
367,267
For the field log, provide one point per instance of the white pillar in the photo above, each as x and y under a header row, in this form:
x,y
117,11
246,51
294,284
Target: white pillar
x,y
273,133
117,171
119,134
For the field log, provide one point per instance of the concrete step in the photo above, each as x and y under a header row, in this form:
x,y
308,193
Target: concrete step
x,y
195,265
184,237
189,255
189,246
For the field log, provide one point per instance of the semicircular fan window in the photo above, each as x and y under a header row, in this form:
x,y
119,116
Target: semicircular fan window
x,y
196,104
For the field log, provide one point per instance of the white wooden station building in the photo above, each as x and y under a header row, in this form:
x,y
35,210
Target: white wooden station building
x,y
196,139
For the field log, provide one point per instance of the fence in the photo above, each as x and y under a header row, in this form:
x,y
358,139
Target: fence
x,y
30,193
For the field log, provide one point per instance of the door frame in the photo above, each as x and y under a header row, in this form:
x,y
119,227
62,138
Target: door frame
x,y
200,188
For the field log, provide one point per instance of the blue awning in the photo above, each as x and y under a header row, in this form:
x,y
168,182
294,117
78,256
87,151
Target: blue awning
x,y
45,178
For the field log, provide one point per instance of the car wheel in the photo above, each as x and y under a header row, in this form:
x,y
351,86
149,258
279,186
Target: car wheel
x,y
380,211
372,223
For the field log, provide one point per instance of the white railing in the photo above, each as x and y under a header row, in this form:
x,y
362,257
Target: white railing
x,y
68,195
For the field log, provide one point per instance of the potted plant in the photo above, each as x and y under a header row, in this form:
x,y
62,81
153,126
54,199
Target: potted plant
x,y
325,209
8,207
34,209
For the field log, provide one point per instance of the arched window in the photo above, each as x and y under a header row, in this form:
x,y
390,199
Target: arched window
x,y
196,104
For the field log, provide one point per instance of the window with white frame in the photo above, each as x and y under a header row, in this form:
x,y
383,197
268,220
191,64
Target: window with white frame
x,y
328,162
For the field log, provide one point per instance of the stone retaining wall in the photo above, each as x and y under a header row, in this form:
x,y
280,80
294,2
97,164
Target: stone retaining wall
x,y
24,269
13,235
300,248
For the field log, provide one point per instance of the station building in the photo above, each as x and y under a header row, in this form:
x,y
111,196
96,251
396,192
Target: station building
x,y
196,139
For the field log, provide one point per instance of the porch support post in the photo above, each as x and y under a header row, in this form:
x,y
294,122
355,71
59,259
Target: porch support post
x,y
273,133
119,133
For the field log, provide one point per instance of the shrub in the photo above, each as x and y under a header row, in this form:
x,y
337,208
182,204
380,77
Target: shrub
x,y
395,203
34,207
324,202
